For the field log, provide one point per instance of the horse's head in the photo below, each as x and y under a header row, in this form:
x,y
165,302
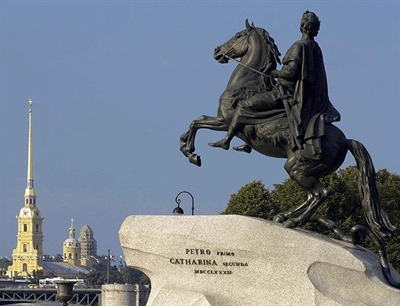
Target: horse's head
x,y
258,55
235,47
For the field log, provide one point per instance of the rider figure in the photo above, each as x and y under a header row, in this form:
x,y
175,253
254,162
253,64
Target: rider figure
x,y
303,92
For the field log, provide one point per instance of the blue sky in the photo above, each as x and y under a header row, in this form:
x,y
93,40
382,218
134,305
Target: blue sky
x,y
114,84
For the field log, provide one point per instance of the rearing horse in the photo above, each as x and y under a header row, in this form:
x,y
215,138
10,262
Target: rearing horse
x,y
259,56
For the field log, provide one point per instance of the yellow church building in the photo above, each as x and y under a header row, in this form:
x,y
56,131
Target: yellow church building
x,y
27,257
28,254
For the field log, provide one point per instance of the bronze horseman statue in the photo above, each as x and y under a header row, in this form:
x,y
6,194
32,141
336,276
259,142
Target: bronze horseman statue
x,y
287,114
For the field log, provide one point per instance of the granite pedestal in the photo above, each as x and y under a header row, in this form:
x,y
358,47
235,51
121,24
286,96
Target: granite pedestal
x,y
235,260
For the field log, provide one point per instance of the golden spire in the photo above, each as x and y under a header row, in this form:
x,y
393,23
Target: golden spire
x,y
30,191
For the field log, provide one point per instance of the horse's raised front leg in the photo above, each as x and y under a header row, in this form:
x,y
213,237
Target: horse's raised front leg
x,y
187,139
182,143
185,149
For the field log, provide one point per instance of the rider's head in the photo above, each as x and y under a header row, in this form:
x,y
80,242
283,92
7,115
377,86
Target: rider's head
x,y
309,24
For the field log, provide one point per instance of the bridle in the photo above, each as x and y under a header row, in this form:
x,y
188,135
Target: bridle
x,y
239,62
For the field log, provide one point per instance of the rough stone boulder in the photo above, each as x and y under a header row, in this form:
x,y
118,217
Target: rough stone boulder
x,y
235,261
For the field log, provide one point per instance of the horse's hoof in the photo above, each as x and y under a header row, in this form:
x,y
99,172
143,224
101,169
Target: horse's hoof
x,y
184,149
348,239
279,218
195,159
289,224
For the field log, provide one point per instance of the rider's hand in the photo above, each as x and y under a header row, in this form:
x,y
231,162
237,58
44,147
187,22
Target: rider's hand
x,y
235,101
237,96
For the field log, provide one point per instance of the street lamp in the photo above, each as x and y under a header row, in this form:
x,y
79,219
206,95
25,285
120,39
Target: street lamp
x,y
178,210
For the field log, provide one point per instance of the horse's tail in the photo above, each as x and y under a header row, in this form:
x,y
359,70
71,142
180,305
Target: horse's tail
x,y
376,217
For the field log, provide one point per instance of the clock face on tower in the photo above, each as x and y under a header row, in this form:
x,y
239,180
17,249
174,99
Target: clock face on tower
x,y
26,213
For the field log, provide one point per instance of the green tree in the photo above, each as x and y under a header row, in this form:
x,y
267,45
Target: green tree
x,y
287,195
97,278
125,275
343,206
389,191
253,200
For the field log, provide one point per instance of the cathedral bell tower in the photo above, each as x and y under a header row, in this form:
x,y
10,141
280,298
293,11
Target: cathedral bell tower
x,y
27,256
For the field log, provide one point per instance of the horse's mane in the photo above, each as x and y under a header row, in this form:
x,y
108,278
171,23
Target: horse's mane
x,y
266,82
270,42
273,57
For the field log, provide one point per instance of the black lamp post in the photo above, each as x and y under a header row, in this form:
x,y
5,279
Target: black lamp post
x,y
178,210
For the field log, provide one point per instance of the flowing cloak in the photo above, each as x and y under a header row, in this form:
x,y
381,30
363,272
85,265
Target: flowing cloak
x,y
310,108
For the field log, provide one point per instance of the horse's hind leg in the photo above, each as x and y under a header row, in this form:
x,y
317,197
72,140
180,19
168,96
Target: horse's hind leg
x,y
303,213
316,191
283,216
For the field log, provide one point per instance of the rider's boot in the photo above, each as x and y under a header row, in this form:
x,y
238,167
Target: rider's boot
x,y
243,148
223,143
226,141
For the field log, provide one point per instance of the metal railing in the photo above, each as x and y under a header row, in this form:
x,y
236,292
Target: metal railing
x,y
90,297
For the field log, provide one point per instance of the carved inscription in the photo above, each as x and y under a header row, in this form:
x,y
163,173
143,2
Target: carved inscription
x,y
210,262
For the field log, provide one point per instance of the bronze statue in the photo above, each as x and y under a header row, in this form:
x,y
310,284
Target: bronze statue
x,y
290,118
303,92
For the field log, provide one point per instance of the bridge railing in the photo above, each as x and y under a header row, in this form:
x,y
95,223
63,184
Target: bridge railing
x,y
90,297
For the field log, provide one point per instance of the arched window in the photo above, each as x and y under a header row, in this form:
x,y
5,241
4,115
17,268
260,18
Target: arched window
x,y
37,228
30,201
24,267
69,256
25,248
25,228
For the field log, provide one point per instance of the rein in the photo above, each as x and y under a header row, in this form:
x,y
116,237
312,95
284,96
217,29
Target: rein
x,y
248,67
254,70
240,63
